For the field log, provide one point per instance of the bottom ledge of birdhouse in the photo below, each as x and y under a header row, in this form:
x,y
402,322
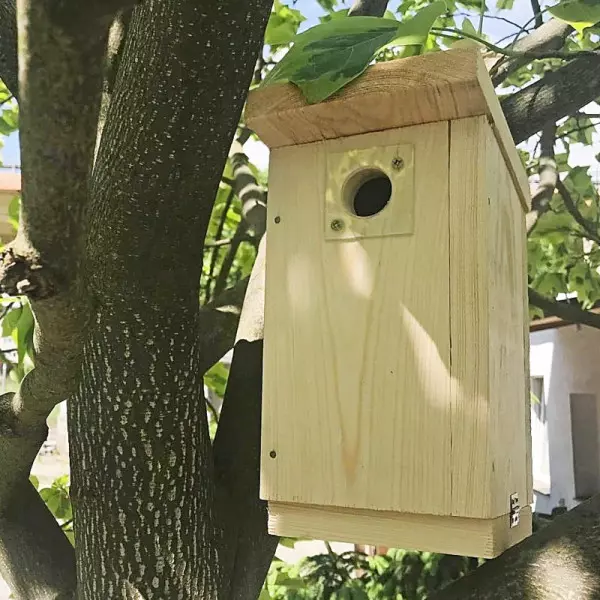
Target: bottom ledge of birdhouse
x,y
484,538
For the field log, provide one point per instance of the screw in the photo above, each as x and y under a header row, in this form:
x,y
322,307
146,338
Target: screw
x,y
398,163
337,225
277,219
272,454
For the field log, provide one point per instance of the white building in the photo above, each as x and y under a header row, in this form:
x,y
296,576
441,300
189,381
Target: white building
x,y
565,426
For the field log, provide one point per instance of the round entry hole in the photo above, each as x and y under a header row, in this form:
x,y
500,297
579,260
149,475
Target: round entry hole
x,y
368,192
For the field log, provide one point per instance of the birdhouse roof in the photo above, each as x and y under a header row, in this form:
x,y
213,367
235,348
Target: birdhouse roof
x,y
439,86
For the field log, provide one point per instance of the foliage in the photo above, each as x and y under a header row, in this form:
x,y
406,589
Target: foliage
x,y
563,254
397,574
330,55
578,13
58,501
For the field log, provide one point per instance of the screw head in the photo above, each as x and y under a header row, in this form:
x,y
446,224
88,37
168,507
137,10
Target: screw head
x,y
272,454
337,225
277,219
398,163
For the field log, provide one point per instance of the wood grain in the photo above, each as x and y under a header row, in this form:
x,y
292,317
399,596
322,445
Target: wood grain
x,y
356,359
468,273
434,87
507,318
490,434
486,538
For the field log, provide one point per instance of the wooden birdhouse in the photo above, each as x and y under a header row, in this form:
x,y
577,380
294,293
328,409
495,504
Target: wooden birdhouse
x,y
395,397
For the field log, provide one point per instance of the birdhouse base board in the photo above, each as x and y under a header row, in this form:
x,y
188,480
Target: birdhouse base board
x,y
483,538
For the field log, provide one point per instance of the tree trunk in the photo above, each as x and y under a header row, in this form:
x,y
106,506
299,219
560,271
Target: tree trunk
x,y
140,452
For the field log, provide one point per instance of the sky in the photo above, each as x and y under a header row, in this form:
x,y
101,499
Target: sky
x,y
496,29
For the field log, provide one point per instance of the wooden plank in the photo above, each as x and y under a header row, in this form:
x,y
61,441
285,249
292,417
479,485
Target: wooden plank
x,y
429,88
486,538
468,271
356,359
434,87
504,137
507,277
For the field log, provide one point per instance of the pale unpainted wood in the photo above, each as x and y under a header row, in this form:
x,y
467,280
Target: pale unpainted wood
x,y
504,138
348,166
356,360
485,538
468,273
434,87
490,435
506,288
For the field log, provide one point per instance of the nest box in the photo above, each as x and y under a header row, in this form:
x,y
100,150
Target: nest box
x,y
395,396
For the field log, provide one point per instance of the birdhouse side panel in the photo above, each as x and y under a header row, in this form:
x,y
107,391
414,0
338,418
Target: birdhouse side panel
x,y
356,398
507,318
470,457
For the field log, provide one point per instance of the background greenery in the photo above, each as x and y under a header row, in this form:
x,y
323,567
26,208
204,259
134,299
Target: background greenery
x,y
563,243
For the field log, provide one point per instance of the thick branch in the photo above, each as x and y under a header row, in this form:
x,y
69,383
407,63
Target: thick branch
x,y
237,448
60,84
565,311
246,187
219,320
36,558
550,36
540,202
557,94
9,69
559,562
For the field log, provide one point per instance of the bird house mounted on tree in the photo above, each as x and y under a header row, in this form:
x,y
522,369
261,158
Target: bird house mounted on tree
x,y
395,400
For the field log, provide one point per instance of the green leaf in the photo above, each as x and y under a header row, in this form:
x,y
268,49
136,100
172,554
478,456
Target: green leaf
x,y
338,14
328,5
577,13
14,208
71,536
328,56
288,542
505,4
468,27
9,322
264,594
216,378
283,25
24,335
34,481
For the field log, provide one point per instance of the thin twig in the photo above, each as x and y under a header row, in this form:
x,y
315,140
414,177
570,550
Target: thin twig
x,y
537,13
212,409
456,34
237,239
215,252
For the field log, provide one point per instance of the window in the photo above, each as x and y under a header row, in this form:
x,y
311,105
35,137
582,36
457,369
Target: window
x,y
540,447
538,398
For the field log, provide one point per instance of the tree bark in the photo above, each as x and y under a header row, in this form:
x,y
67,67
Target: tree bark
x,y
560,562
149,527
147,493
60,85
9,69
557,94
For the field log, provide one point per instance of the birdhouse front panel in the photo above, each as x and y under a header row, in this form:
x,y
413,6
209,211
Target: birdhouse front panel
x,y
395,403
357,328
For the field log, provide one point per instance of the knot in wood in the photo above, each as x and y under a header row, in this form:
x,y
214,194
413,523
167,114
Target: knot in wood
x,y
24,276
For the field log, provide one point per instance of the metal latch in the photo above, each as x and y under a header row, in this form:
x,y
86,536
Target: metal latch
x,y
515,510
